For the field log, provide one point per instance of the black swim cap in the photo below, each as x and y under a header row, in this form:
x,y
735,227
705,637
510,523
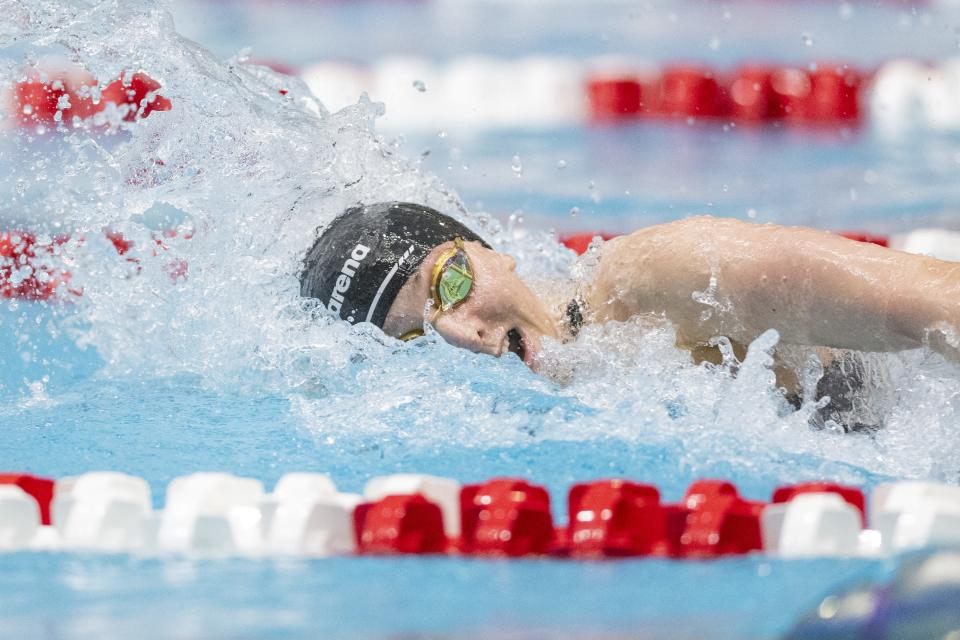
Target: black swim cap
x,y
358,265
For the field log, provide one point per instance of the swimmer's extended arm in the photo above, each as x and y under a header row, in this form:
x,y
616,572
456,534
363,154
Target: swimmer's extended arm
x,y
714,276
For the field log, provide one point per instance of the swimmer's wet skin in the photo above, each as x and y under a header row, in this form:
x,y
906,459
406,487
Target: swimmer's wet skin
x,y
708,276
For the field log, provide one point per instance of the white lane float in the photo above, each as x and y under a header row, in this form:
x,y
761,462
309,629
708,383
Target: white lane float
x,y
306,516
19,518
103,511
812,525
913,515
212,513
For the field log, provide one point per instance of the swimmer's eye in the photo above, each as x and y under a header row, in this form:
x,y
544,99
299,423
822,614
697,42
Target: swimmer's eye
x,y
452,277
516,343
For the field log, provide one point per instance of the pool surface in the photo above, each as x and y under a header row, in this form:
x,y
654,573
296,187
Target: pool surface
x,y
227,370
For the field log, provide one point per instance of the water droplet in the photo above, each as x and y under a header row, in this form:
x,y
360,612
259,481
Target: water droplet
x,y
714,43
751,213
442,134
562,164
574,212
725,188
516,166
419,86
807,38
594,195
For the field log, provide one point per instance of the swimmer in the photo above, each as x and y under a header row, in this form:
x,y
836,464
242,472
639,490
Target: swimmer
x,y
402,266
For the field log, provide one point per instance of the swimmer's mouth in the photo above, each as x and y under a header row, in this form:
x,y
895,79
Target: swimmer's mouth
x,y
516,344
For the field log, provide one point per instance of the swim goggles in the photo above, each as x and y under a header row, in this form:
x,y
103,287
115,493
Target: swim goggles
x,y
451,283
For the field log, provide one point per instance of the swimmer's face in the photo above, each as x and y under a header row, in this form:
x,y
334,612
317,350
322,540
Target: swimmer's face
x,y
499,315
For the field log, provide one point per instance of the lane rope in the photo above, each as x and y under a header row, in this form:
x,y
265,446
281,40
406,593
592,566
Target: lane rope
x,y
305,515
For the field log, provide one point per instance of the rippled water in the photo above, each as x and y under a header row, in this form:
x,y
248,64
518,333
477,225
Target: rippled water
x,y
229,369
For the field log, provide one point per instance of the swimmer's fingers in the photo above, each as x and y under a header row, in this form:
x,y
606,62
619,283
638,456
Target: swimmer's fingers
x,y
944,338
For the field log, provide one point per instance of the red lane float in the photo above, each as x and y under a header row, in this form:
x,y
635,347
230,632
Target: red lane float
x,y
40,489
137,95
508,517
25,272
615,98
60,96
718,521
607,518
827,94
399,524
580,242
834,95
69,96
751,95
690,92
870,238
616,518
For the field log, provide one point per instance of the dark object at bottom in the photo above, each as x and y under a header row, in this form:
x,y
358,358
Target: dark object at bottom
x,y
920,603
844,380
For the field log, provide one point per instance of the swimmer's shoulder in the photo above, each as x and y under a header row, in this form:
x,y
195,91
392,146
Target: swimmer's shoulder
x,y
672,243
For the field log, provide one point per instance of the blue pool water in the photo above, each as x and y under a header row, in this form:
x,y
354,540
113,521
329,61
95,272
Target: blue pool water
x,y
226,371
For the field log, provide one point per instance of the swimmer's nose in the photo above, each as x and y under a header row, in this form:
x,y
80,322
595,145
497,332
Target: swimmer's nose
x,y
475,337
489,340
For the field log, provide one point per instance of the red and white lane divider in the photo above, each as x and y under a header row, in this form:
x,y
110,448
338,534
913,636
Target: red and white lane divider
x,y
222,514
537,92
547,92
938,243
